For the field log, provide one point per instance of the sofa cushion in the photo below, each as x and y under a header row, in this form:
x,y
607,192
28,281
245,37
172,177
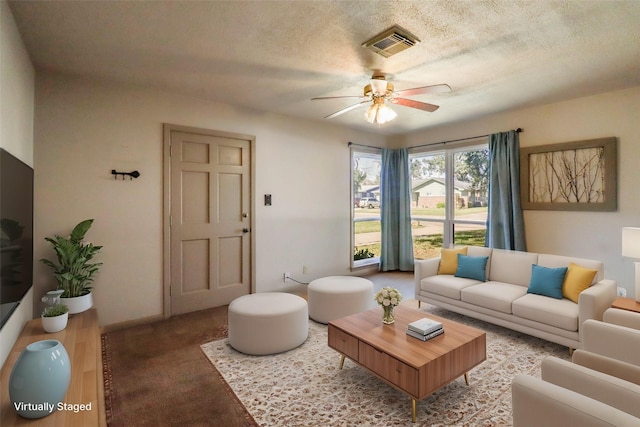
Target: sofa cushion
x,y
481,251
493,295
577,280
449,260
547,281
472,267
561,313
512,266
548,260
446,285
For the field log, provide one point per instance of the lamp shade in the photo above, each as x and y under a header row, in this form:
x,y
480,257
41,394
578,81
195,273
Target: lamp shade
x,y
379,113
631,242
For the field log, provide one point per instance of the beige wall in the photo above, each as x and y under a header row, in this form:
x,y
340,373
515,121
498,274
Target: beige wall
x,y
594,235
84,129
16,136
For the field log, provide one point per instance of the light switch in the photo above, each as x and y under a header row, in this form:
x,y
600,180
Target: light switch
x,y
267,199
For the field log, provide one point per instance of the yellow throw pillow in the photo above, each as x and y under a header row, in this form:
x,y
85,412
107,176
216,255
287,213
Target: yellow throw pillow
x,y
577,280
449,260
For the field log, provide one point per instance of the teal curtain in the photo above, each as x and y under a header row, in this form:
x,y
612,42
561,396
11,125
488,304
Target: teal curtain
x,y
395,211
505,223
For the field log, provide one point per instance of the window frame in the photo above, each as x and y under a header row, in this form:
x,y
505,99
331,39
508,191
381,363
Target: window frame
x,y
449,151
369,261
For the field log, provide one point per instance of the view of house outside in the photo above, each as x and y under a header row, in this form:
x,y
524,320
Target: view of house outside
x,y
434,225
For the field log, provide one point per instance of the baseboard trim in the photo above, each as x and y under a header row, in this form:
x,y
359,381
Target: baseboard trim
x,y
130,323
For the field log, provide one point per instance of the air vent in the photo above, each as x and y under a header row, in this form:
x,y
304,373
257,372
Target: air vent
x,y
392,41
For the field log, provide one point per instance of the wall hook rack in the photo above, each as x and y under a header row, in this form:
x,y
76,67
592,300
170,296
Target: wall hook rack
x,y
131,175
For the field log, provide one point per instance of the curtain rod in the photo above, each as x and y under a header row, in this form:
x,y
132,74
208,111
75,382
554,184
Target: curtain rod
x,y
518,130
458,140
363,145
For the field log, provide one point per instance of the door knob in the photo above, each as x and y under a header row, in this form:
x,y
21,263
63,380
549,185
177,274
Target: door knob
x,y
245,230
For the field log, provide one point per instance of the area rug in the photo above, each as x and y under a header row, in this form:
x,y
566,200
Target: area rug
x,y
304,386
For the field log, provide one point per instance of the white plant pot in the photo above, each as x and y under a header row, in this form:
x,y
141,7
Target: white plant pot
x,y
78,304
55,324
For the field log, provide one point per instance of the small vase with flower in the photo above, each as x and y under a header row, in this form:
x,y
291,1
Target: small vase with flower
x,y
388,299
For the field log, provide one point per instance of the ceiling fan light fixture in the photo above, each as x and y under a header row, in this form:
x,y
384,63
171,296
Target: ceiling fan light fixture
x,y
379,113
378,87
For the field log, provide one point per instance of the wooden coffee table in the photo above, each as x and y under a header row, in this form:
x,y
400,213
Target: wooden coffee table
x,y
415,367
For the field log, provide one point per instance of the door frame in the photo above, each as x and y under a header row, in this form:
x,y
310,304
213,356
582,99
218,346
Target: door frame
x,y
166,220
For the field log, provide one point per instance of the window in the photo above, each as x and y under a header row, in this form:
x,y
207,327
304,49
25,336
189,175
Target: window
x,y
449,197
366,166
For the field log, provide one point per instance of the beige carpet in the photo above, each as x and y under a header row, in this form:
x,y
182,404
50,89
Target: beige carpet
x,y
304,387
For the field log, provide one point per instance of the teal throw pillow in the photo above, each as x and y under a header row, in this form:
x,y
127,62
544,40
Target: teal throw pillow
x,y
547,281
472,267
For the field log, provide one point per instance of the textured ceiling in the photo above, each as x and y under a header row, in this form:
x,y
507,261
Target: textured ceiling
x,y
276,55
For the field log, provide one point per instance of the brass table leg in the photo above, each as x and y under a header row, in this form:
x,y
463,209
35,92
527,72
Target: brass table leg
x,y
466,377
341,360
413,410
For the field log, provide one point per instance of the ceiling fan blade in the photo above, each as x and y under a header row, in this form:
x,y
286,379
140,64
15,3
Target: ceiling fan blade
x,y
424,90
337,97
415,104
344,110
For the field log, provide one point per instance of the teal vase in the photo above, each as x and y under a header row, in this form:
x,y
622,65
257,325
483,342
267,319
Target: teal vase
x,y
40,379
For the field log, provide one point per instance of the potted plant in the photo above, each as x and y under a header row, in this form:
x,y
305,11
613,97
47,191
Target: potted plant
x,y
55,317
75,268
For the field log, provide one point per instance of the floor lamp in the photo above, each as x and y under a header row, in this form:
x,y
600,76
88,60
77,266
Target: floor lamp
x,y
631,249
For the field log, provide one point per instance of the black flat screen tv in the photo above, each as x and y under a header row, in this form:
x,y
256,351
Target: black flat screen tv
x,y
16,232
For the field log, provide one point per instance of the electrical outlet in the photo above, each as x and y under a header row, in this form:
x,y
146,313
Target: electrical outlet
x,y
286,276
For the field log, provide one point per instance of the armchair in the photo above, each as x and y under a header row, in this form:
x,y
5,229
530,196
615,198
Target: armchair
x,y
613,346
612,340
627,318
572,395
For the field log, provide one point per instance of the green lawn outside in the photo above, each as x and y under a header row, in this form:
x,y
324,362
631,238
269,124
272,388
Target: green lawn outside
x,y
425,247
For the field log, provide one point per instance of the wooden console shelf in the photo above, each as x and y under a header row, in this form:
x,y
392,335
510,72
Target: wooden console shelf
x,y
81,339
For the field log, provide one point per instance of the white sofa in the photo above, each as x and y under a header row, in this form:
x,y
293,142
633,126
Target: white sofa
x,y
503,299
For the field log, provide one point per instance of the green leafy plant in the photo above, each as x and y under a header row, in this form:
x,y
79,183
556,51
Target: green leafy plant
x,y
363,254
74,269
55,310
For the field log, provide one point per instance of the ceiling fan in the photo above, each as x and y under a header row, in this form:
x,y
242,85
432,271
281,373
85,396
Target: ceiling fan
x,y
380,90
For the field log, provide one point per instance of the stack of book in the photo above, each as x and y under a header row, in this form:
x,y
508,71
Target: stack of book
x,y
424,329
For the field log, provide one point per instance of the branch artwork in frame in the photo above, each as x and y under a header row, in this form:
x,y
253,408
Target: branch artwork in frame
x,y
571,176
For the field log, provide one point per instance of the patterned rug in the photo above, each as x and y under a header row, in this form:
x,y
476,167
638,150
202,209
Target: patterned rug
x,y
304,387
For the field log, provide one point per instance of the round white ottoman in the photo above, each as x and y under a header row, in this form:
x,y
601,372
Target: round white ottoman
x,y
268,322
338,296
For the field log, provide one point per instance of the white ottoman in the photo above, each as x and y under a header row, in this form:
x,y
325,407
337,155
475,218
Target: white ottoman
x,y
268,322
338,296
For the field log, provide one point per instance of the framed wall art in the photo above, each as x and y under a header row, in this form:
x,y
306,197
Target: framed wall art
x,y
570,176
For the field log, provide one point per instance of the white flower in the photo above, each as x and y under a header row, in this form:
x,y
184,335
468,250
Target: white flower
x,y
388,297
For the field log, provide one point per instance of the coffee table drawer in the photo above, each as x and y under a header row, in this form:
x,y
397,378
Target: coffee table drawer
x,y
389,368
343,342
